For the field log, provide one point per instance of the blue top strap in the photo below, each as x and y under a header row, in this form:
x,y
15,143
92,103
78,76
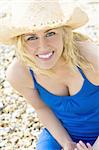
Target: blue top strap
x,y
32,73
81,72
35,83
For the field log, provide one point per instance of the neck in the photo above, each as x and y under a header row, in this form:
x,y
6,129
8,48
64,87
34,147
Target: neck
x,y
60,63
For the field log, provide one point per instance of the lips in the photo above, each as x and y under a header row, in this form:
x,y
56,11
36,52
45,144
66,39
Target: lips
x,y
45,55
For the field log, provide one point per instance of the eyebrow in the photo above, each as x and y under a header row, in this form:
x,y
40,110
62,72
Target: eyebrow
x,y
35,33
49,30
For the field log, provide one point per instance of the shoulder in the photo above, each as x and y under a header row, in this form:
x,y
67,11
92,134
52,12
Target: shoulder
x,y
18,75
20,79
88,44
90,50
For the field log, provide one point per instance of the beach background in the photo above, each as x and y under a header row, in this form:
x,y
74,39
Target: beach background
x,y
19,124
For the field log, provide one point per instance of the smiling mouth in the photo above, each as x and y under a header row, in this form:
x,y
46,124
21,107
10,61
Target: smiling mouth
x,y
45,56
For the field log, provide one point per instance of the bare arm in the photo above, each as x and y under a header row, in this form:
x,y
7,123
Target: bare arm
x,y
44,113
96,144
54,126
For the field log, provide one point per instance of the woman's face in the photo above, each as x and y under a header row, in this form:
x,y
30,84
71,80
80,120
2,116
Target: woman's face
x,y
46,47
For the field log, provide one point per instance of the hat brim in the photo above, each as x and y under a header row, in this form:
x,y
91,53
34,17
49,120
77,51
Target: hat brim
x,y
9,29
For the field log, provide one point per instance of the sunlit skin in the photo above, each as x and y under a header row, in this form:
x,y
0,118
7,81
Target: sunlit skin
x,y
42,42
82,146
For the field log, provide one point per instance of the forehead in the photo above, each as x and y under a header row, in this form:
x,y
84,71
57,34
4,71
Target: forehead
x,y
43,31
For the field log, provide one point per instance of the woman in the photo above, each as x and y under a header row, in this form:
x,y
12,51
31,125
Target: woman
x,y
56,70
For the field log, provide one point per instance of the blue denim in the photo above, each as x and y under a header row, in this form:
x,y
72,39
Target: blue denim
x,y
47,142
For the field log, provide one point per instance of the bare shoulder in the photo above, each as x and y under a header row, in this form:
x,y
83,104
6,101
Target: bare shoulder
x,y
88,44
20,79
90,50
18,74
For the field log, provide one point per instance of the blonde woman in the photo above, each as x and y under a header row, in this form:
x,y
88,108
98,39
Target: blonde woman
x,y
56,70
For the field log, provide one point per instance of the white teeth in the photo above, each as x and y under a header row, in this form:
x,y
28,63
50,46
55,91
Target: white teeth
x,y
45,56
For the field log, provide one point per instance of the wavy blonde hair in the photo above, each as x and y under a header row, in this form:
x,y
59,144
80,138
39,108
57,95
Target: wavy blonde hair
x,y
71,52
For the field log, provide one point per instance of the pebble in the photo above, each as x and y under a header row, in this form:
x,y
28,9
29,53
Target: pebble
x,y
20,126
1,105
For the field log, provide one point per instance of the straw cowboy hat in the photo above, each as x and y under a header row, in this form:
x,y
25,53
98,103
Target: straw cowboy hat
x,y
20,17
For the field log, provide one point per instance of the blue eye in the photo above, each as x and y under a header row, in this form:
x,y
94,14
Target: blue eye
x,y
32,38
50,34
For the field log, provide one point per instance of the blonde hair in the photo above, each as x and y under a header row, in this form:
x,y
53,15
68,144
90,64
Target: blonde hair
x,y
71,52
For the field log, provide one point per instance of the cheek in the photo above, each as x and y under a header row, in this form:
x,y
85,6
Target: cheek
x,y
56,42
32,49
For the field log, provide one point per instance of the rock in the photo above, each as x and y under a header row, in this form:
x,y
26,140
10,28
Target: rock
x,y
20,126
1,105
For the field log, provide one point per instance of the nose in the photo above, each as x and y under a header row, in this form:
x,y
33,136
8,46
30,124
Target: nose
x,y
42,44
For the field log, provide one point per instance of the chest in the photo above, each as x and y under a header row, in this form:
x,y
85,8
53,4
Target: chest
x,y
67,84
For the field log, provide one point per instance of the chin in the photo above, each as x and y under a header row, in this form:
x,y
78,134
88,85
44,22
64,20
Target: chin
x,y
46,67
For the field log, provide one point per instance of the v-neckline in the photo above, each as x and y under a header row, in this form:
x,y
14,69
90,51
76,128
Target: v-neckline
x,y
61,96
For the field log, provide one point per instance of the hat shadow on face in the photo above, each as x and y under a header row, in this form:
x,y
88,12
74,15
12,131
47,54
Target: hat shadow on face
x,y
33,15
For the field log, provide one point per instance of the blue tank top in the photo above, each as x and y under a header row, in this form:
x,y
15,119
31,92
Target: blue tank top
x,y
79,113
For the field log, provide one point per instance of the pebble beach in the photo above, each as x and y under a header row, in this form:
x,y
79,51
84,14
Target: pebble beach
x,y
20,126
